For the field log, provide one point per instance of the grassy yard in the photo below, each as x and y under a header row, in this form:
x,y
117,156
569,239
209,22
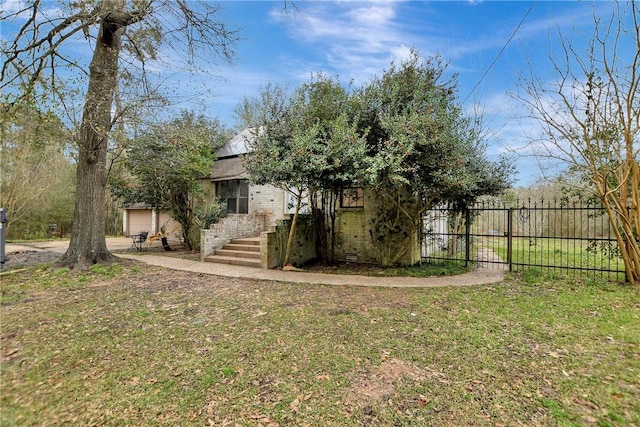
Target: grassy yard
x,y
559,252
134,345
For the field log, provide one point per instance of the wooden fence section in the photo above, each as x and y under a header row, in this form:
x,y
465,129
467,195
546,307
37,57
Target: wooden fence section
x,y
554,235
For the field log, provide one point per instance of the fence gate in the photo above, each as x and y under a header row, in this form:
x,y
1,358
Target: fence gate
x,y
554,235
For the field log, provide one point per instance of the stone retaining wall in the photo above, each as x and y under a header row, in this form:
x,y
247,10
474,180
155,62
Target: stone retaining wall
x,y
233,226
273,244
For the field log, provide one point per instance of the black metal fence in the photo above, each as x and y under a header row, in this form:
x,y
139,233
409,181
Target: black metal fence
x,y
555,235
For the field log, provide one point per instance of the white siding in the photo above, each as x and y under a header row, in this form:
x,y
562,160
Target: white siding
x,y
267,200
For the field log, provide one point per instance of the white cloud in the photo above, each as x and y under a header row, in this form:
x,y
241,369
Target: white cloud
x,y
355,39
11,6
373,15
401,53
19,10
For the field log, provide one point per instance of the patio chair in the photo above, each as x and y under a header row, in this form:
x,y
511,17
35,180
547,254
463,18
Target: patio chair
x,y
138,240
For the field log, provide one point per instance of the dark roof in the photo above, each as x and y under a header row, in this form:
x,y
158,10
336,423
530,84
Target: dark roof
x,y
137,205
230,168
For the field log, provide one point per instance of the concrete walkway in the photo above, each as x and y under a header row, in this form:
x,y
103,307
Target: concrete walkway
x,y
478,277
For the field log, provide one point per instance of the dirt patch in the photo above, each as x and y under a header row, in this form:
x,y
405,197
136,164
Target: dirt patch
x,y
156,280
29,257
178,250
26,258
378,385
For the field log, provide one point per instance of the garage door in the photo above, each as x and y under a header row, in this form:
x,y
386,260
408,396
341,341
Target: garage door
x,y
139,220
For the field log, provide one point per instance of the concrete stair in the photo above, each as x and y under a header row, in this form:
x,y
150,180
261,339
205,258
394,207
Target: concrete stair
x,y
245,252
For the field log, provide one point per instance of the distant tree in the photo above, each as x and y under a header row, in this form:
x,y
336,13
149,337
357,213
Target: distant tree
x,y
421,151
132,112
167,164
36,173
590,117
42,47
254,112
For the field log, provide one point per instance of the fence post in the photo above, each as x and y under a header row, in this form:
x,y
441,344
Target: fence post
x,y
3,221
467,237
510,239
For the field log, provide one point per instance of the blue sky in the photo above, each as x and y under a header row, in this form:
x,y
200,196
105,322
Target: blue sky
x,y
356,40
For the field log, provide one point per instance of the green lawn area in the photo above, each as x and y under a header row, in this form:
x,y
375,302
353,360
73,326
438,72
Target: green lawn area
x,y
559,252
135,345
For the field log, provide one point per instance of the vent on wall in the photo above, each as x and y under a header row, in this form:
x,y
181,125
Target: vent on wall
x,y
350,256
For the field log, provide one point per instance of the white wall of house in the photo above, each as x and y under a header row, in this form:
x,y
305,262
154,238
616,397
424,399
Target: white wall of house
x,y
269,201
434,231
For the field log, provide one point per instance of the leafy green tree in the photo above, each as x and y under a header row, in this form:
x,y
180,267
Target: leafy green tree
x,y
282,154
168,163
43,45
421,151
327,114
308,143
401,135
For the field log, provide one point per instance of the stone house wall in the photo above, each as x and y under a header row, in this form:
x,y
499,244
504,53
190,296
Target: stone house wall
x,y
273,244
231,227
354,235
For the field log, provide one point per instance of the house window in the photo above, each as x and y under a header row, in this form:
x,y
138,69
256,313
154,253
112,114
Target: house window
x,y
352,198
236,194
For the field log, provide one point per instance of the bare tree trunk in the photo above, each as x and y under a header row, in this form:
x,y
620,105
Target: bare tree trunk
x,y
332,214
292,232
88,244
453,241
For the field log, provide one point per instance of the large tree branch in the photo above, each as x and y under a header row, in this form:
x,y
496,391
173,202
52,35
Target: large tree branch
x,y
54,38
